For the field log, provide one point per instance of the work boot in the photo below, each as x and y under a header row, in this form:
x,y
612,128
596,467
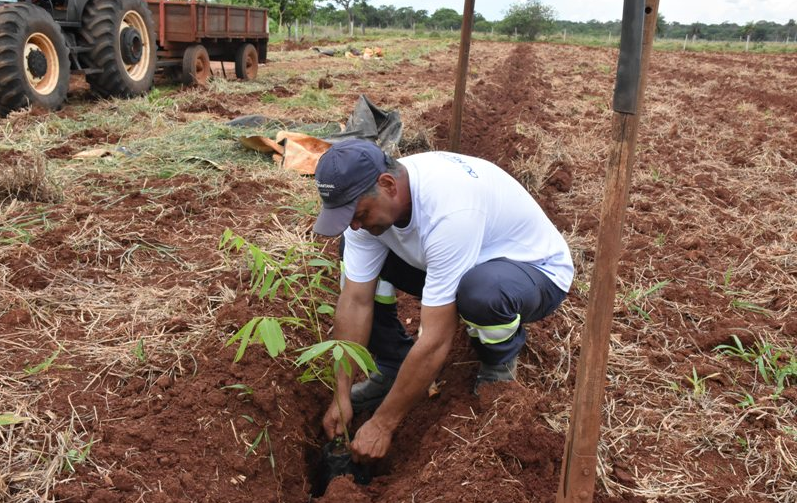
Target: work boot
x,y
368,394
495,373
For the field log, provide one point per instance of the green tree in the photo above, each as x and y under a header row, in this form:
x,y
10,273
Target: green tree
x,y
446,19
696,30
661,25
528,18
348,6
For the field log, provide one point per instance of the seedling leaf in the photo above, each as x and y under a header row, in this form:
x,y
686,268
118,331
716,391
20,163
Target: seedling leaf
x,y
244,330
325,309
320,262
313,351
361,357
270,333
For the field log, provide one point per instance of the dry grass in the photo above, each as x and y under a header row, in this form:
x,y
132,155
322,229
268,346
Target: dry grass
x,y
24,176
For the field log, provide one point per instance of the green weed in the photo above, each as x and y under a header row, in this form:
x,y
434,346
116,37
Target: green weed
x,y
244,389
777,366
312,98
737,296
77,456
19,229
261,435
139,351
699,383
43,366
635,299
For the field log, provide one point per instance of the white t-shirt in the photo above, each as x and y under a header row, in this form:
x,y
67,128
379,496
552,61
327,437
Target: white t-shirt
x,y
465,211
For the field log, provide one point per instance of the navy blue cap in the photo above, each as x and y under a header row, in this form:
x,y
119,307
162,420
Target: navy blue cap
x,y
345,172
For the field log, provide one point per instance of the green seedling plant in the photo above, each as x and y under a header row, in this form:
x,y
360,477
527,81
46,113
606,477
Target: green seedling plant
x,y
289,276
324,360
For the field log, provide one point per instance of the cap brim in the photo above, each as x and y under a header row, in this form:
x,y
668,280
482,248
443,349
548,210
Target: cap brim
x,y
333,221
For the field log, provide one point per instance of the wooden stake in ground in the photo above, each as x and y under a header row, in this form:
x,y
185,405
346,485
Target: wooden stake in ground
x,y
462,74
577,481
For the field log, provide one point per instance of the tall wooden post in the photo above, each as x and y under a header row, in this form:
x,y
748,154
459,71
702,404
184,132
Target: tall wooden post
x,y
455,128
577,481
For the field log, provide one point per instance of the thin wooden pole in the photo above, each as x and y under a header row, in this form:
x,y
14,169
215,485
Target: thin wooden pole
x,y
455,129
577,481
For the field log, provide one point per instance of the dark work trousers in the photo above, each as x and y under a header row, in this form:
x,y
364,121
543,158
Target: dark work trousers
x,y
492,293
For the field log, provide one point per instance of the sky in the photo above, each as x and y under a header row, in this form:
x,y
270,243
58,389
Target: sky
x,y
683,11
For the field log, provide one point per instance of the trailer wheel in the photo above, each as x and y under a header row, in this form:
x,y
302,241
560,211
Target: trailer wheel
x,y
121,35
34,59
196,65
246,62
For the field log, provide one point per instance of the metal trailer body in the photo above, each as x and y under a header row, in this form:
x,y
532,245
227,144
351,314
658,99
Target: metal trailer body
x,y
220,28
190,34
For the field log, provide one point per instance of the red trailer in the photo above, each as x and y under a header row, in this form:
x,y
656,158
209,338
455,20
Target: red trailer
x,y
191,34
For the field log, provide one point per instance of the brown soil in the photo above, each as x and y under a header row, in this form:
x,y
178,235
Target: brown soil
x,y
713,192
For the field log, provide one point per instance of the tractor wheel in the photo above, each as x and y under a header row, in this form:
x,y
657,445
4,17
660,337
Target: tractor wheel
x,y
246,62
34,59
121,36
196,65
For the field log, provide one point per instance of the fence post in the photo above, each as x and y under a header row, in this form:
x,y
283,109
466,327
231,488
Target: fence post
x,y
578,473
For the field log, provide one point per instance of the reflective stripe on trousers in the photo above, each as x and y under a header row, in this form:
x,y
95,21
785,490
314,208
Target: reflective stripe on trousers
x,y
493,334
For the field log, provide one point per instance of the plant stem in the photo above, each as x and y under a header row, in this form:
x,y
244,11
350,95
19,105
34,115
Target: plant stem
x,y
342,419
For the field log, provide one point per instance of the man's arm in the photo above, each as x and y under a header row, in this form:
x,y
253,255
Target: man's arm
x,y
419,369
353,318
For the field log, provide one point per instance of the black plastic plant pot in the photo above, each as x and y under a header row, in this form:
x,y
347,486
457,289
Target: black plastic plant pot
x,y
336,461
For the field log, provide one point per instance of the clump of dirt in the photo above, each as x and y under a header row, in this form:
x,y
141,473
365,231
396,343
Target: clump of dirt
x,y
208,105
281,92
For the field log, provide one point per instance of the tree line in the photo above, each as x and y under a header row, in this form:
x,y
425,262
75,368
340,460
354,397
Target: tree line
x,y
525,19
759,31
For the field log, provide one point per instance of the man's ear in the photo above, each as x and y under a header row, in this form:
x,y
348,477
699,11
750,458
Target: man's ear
x,y
388,183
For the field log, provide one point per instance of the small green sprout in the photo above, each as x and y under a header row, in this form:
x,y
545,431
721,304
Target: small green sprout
x,y
699,383
139,352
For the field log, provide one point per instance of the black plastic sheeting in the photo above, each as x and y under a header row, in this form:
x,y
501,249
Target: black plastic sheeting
x,y
369,122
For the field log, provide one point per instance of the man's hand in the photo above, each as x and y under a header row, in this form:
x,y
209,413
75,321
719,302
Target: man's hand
x,y
371,442
336,418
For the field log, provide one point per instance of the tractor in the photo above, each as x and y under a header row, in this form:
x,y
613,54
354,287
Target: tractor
x,y
111,42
